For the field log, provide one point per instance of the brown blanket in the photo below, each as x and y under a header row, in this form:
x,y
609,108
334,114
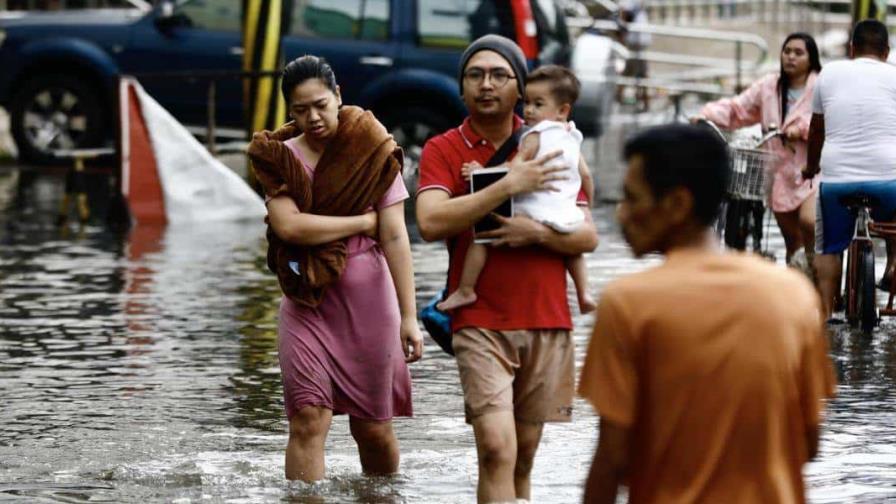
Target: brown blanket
x,y
355,170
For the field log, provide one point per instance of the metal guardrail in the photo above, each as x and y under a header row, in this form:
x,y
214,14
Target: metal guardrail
x,y
714,90
738,39
675,90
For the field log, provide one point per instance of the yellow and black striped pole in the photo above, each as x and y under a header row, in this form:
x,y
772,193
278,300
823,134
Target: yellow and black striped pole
x,y
869,9
264,22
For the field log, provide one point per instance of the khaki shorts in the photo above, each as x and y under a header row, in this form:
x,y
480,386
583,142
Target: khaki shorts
x,y
531,373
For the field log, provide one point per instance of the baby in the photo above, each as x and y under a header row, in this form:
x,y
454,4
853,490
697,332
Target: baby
x,y
550,93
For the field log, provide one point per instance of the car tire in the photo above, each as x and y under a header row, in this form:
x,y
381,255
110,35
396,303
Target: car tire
x,y
412,127
55,112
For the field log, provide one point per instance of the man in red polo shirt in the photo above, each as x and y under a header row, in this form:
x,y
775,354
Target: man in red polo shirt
x,y
513,345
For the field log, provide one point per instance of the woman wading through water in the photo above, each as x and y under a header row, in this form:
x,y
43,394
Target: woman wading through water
x,y
340,249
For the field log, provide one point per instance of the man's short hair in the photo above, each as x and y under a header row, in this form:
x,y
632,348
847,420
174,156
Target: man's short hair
x,y
680,155
870,36
565,86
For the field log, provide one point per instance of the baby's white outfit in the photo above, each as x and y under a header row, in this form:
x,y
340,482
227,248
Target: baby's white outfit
x,y
556,209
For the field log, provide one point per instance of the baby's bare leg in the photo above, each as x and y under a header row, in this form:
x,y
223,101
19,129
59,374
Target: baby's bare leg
x,y
578,268
466,290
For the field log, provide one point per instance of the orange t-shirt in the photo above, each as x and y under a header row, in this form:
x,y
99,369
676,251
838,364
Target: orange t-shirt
x,y
718,364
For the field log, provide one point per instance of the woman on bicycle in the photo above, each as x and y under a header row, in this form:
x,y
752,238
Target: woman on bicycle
x,y
782,100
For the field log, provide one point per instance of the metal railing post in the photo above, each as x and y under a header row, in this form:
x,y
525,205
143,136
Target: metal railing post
x,y
210,133
738,55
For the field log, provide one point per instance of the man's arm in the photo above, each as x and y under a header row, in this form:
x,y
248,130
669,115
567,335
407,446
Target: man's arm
x,y
817,380
816,143
610,464
813,433
440,216
521,231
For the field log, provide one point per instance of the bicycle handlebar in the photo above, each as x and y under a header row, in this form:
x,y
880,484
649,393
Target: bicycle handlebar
x,y
712,126
773,132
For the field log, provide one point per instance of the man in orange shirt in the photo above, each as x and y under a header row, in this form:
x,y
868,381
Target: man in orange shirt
x,y
708,372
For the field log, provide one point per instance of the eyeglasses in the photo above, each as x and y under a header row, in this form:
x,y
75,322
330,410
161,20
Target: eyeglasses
x,y
498,76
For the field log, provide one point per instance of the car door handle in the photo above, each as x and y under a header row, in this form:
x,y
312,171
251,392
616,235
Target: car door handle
x,y
236,51
382,61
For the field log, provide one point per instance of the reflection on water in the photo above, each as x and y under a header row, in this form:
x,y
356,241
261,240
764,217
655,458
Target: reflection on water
x,y
143,367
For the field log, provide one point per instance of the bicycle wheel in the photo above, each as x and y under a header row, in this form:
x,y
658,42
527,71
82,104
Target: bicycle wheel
x,y
737,223
866,302
850,287
719,224
757,212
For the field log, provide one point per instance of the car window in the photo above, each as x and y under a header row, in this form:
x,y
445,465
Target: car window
x,y
454,24
341,19
215,15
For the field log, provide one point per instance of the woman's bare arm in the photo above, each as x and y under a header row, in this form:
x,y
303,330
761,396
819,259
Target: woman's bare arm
x,y
397,248
299,228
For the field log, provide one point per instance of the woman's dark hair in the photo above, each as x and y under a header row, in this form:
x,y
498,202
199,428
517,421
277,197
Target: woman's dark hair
x,y
814,66
683,155
307,67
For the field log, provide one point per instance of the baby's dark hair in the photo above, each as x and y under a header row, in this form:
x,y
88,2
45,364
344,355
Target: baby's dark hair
x,y
565,85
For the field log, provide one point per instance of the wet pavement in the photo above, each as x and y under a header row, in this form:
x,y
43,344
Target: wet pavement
x,y
143,368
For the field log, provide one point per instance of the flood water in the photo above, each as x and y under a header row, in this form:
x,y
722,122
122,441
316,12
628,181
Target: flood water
x,y
143,368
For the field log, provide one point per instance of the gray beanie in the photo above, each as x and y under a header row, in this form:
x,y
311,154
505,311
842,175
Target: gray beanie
x,y
503,46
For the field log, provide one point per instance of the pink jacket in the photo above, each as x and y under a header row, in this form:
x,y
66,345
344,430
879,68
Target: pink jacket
x,y
761,104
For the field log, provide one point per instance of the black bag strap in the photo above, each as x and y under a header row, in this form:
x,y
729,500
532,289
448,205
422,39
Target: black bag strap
x,y
497,158
507,147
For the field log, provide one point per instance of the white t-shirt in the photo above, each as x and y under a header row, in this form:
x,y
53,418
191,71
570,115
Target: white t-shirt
x,y
858,100
556,209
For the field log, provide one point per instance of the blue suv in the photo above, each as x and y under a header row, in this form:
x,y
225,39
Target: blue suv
x,y
396,57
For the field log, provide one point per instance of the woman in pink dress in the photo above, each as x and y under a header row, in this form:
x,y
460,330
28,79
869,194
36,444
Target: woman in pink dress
x,y
348,353
783,100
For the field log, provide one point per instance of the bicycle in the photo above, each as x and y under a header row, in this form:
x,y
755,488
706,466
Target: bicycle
x,y
860,292
744,207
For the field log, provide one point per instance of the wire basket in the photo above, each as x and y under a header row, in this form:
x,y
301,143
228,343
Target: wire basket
x,y
749,173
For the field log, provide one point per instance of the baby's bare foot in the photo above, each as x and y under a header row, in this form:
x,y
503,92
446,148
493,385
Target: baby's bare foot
x,y
458,298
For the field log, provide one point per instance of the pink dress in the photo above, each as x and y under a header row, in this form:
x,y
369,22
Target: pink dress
x,y
761,104
346,354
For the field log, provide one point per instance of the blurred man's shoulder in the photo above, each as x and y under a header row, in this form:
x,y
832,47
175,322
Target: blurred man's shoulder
x,y
786,282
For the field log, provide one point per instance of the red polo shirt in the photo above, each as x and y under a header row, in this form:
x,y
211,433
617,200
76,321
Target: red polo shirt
x,y
519,288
